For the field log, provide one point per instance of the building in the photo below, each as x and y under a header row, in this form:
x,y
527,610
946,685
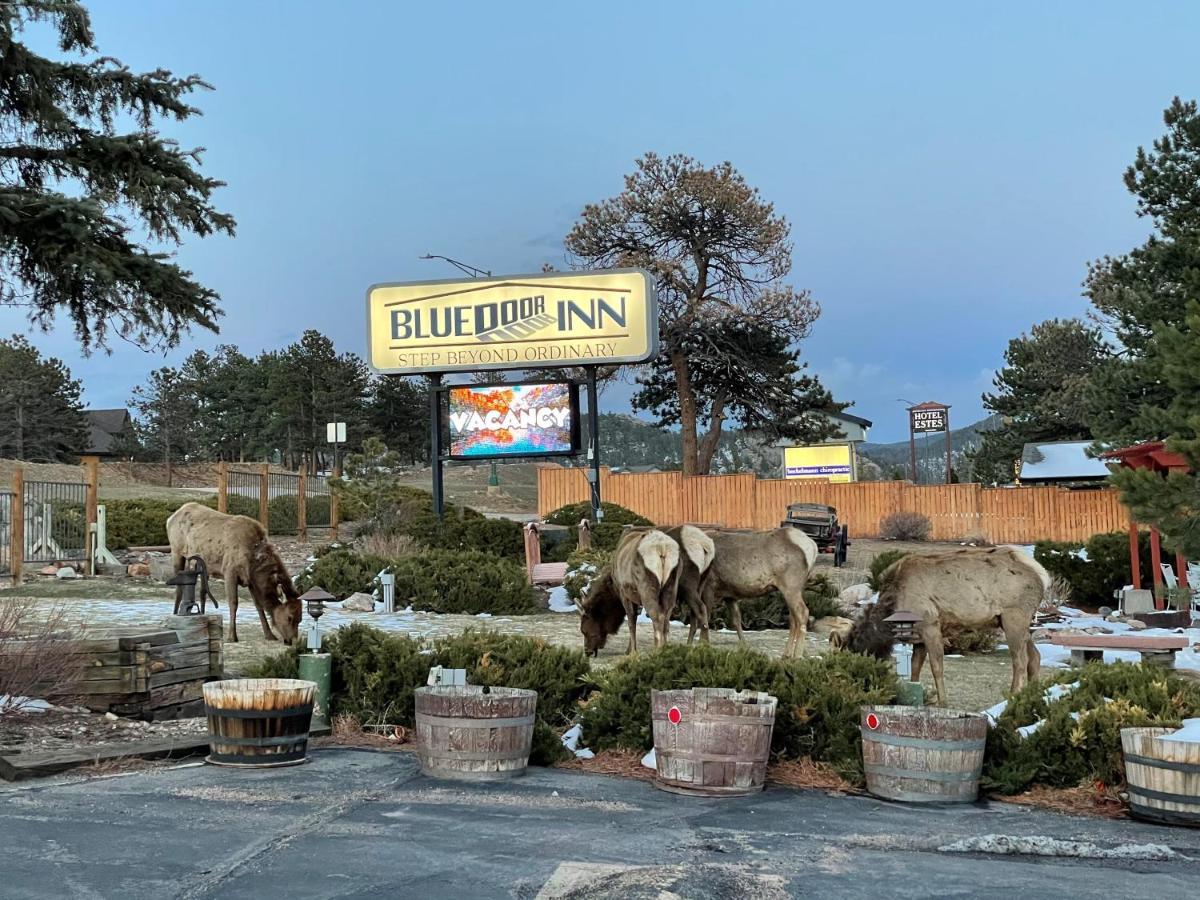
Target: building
x,y
854,428
1060,462
110,431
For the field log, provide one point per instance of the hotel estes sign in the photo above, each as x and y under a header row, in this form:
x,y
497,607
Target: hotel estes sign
x,y
513,322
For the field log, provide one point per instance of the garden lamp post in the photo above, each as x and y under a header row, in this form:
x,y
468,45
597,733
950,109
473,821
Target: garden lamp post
x,y
316,666
903,624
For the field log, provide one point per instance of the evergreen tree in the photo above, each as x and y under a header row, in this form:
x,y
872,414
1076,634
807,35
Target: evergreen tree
x,y
170,413
718,253
1136,293
1041,394
1173,503
398,415
41,418
746,373
84,207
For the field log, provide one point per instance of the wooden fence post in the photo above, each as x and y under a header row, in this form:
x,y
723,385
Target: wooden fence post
x,y
91,476
16,530
302,504
264,487
222,486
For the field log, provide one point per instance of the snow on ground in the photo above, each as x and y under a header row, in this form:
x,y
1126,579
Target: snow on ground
x,y
23,704
1054,657
1189,733
571,740
649,760
560,602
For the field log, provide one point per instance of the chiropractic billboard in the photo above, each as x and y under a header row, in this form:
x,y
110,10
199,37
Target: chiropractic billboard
x,y
819,462
513,322
513,420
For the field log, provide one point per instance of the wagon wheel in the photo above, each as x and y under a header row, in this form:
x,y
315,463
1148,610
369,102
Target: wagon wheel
x,y
841,545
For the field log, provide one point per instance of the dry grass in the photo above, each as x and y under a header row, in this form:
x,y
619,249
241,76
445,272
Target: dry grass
x,y
622,763
1085,800
389,546
348,731
804,773
38,653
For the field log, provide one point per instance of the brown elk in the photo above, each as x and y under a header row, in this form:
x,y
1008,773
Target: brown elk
x,y
236,549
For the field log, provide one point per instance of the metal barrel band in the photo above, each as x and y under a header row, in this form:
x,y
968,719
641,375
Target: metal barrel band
x,y
896,740
700,756
445,722
910,797
259,741
1166,796
468,756
893,772
1190,768
243,758
1170,816
286,712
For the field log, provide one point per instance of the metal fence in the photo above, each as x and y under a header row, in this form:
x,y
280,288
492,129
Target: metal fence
x,y
56,527
274,498
5,529
318,505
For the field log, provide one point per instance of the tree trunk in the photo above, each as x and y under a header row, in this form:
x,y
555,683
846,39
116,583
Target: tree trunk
x,y
708,446
20,430
687,412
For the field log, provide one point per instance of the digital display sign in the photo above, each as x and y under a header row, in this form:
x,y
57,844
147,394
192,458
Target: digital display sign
x,y
500,420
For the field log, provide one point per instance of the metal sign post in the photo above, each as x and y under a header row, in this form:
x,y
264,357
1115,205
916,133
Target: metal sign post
x,y
927,418
593,451
435,441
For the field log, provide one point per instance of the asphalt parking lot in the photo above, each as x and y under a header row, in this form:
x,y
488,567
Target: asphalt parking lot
x,y
355,823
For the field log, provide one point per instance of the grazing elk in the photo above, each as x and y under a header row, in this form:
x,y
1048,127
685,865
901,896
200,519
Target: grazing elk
x,y
750,564
236,549
973,588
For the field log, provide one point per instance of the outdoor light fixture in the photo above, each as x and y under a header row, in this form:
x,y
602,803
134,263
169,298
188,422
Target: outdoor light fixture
x,y
315,599
903,625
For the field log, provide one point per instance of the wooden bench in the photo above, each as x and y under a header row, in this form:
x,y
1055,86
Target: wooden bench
x,y
537,571
1090,647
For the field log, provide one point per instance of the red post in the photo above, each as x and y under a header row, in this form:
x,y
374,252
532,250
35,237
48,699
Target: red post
x,y
1135,558
1156,572
1181,569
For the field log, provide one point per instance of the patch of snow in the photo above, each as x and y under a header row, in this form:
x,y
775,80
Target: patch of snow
x,y
1039,845
23,704
1189,733
1071,611
675,623
649,760
571,739
644,619
1026,730
560,602
1055,691
483,615
995,712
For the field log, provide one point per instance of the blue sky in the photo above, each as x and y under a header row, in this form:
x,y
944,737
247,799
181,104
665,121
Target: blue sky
x,y
948,168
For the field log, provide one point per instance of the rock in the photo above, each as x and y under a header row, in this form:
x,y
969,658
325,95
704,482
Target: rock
x,y
1114,617
1097,629
1040,634
1136,625
856,593
66,572
48,570
1105,612
359,603
161,567
138,570
827,624
112,717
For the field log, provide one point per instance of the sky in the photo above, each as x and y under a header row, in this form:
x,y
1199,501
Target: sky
x,y
948,169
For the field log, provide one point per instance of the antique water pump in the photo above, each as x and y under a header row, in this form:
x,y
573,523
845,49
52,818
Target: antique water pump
x,y
191,582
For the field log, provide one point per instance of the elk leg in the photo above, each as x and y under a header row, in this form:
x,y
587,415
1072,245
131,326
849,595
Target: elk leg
x,y
797,623
918,660
262,617
1016,632
177,567
631,613
934,649
1034,664
735,615
231,588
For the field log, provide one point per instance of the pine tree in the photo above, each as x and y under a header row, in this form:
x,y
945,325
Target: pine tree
x,y
170,414
1173,503
41,418
398,415
718,253
86,208
1042,394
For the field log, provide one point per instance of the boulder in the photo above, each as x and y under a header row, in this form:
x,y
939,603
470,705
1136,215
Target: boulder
x,y
855,594
1105,612
66,572
1135,625
359,603
48,570
1041,634
1097,629
138,570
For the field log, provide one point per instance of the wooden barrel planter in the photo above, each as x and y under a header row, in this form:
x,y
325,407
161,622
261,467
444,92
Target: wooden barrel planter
x,y
258,722
474,733
1163,776
923,754
712,742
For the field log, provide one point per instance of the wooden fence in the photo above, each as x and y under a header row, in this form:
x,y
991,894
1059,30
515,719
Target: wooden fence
x,y
1002,515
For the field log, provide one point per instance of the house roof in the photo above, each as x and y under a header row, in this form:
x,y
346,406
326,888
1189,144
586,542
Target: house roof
x,y
105,426
847,417
1152,455
1060,461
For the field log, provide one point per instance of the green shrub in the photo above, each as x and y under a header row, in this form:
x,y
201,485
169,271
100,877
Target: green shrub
x,y
606,535
880,563
463,581
1105,570
342,572
283,512
1080,737
375,674
141,523
960,639
582,567
819,697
